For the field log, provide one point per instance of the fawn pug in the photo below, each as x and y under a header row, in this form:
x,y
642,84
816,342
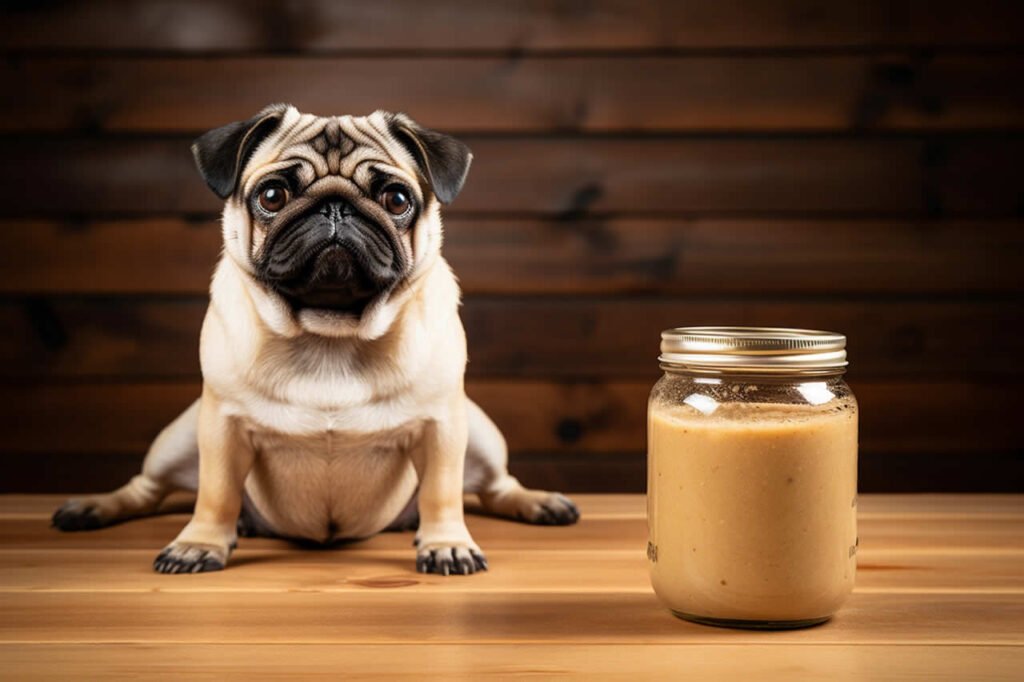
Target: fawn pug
x,y
332,354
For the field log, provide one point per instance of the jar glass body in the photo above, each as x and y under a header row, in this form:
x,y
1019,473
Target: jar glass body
x,y
752,497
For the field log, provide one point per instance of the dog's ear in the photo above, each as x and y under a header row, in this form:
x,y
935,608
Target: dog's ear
x,y
221,153
443,160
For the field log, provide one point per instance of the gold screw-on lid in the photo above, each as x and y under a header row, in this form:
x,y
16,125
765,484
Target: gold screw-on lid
x,y
753,349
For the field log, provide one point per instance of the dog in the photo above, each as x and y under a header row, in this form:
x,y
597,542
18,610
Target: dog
x,y
333,355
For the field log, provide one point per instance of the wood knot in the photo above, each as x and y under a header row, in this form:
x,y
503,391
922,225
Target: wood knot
x,y
46,323
569,430
581,200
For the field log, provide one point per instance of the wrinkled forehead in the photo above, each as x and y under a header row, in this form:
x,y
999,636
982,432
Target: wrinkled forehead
x,y
354,147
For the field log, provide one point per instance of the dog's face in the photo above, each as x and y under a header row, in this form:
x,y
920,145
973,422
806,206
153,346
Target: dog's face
x,y
331,214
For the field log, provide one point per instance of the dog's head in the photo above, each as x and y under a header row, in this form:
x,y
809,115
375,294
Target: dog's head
x,y
331,215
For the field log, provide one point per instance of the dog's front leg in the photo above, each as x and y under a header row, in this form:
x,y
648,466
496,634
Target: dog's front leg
x,y
225,458
443,543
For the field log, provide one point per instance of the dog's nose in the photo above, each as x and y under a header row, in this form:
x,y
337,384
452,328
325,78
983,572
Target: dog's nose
x,y
336,209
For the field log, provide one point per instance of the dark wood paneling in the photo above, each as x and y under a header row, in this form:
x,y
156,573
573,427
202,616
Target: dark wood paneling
x,y
538,256
95,338
62,473
311,25
535,337
961,175
924,472
515,94
619,337
144,256
638,165
536,416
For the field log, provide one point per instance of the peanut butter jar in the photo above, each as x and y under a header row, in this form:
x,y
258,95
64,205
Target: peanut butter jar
x,y
752,476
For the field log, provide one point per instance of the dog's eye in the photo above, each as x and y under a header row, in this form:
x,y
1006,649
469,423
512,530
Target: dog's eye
x,y
273,197
395,199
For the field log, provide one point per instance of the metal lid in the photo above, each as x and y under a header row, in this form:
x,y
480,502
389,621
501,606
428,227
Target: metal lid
x,y
753,349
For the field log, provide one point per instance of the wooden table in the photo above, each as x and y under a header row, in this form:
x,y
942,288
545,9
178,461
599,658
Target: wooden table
x,y
940,595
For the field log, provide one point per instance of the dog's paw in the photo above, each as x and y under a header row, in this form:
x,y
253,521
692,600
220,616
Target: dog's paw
x,y
77,515
532,506
547,509
190,558
449,560
555,509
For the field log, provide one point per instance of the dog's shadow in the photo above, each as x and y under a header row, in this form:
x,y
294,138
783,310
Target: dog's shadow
x,y
404,565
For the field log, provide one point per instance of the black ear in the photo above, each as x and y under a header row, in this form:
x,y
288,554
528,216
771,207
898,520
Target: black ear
x,y
443,160
221,153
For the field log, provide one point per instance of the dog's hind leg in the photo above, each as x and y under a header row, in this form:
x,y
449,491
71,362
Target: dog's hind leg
x,y
501,493
171,464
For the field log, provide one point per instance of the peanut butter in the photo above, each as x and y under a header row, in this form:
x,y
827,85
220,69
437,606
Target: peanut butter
x,y
752,508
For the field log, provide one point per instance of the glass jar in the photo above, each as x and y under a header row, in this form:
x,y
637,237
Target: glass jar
x,y
752,476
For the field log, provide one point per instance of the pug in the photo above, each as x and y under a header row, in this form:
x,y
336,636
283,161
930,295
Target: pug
x,y
333,356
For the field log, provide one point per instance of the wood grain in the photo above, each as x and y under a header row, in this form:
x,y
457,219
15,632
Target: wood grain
x,y
533,337
321,25
369,618
939,594
268,661
355,570
918,505
961,535
815,93
570,176
550,256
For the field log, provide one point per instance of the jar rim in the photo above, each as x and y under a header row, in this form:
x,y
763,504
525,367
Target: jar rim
x,y
753,349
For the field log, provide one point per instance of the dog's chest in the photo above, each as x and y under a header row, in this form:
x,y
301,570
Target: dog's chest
x,y
333,483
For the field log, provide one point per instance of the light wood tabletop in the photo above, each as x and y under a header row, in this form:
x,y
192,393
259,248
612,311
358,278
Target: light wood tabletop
x,y
940,595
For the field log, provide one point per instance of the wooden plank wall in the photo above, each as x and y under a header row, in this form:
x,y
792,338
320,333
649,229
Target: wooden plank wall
x,y
639,165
